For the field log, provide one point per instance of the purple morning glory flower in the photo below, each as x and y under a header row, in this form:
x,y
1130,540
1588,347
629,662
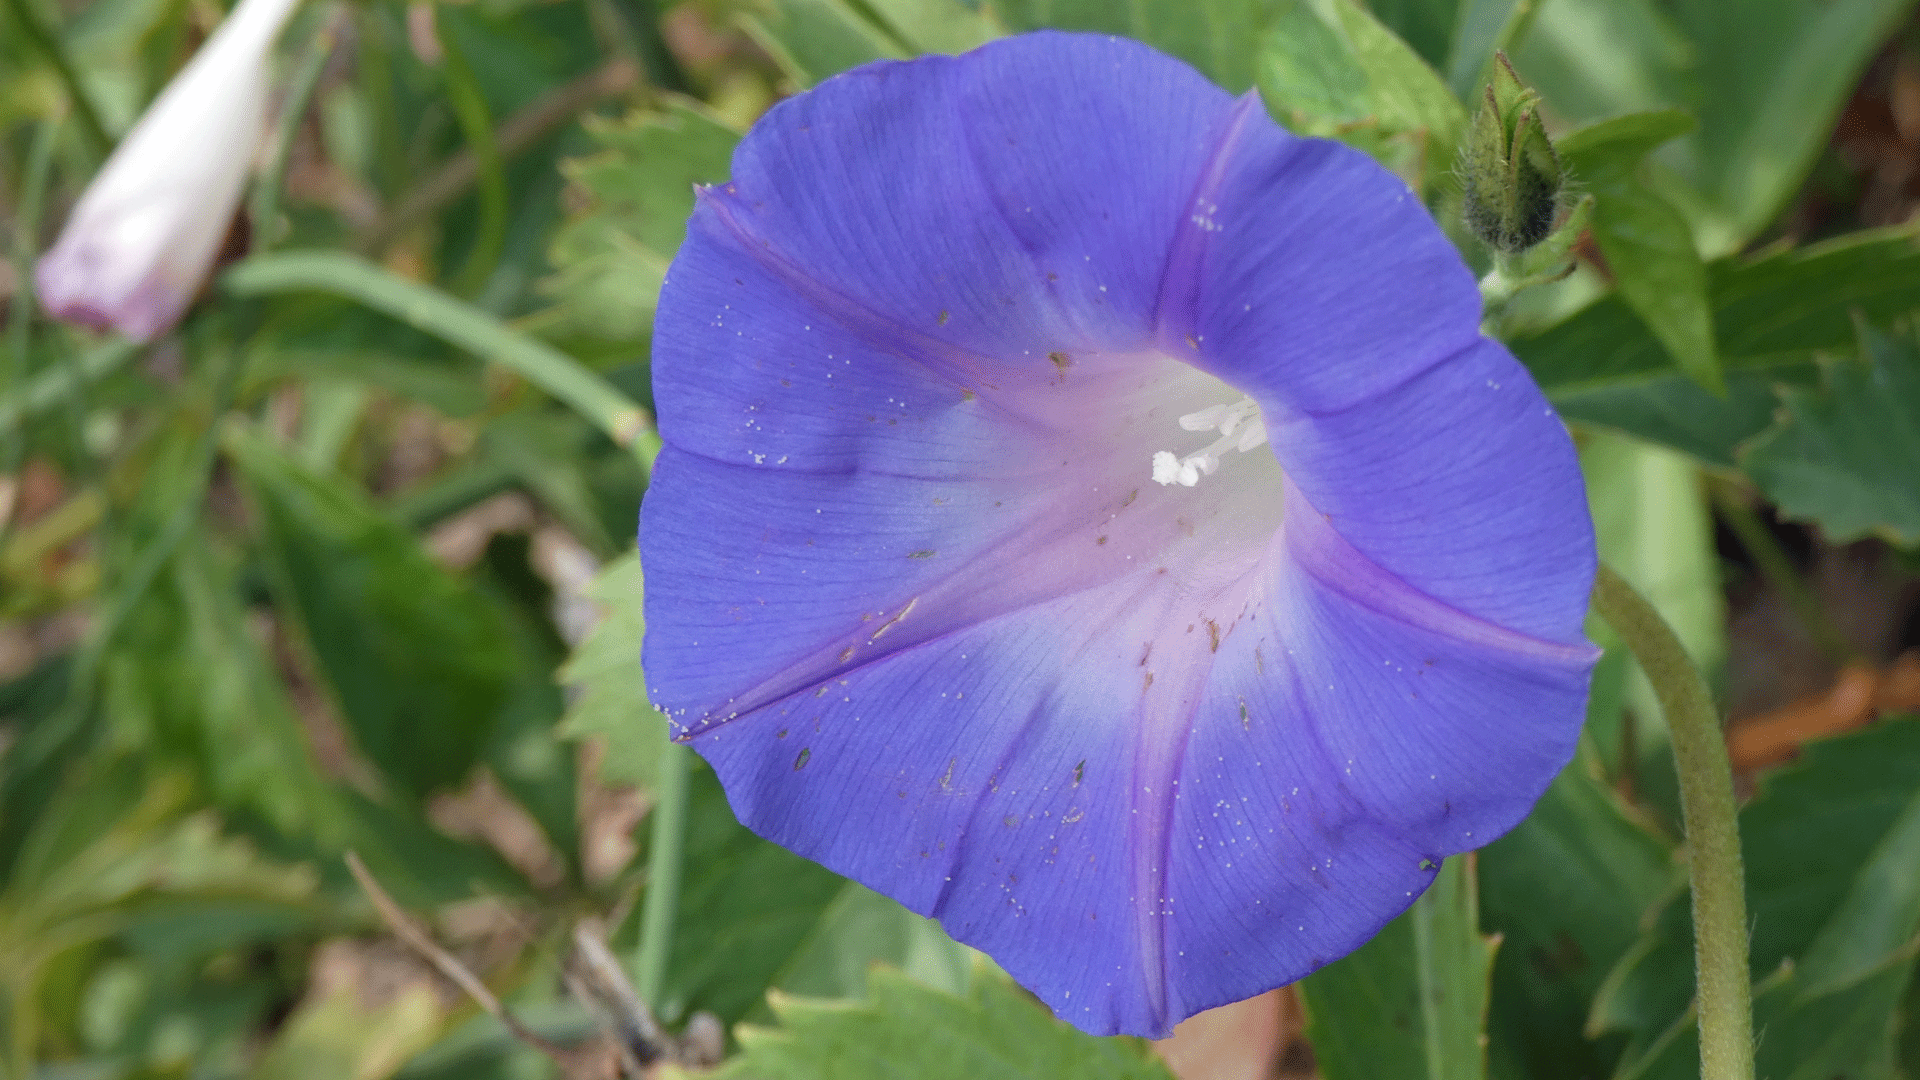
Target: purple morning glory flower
x,y
1091,516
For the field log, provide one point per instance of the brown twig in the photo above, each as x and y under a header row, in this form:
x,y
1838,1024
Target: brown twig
x,y
600,983
1860,695
523,129
597,982
418,940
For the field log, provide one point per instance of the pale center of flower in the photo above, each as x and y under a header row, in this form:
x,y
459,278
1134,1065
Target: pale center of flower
x,y
1240,428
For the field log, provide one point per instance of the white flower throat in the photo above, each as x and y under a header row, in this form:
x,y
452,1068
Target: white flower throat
x,y
1240,428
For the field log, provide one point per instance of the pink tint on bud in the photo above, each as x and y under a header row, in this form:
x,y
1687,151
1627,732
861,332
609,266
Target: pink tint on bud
x,y
145,232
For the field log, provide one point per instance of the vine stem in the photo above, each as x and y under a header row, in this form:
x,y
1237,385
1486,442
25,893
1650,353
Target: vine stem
x,y
665,846
451,320
1724,999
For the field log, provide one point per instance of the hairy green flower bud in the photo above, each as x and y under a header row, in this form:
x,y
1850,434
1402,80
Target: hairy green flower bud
x,y
1511,175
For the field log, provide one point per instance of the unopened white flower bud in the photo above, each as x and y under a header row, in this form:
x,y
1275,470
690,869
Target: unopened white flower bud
x,y
145,232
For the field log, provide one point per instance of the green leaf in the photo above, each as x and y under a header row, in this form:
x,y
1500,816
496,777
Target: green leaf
x,y
1829,845
1878,916
1910,1037
1648,245
116,834
936,26
1220,37
341,1035
1309,77
611,257
1649,248
118,841
610,694
199,690
1772,76
746,908
908,1030
1802,1036
1593,59
1611,150
1407,93
1427,26
420,865
754,917
1677,412
1566,891
1481,27
1772,312
861,928
1413,1001
1327,68
812,39
1765,77
418,661
169,1012
1848,455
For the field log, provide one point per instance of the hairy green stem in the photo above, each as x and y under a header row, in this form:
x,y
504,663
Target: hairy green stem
x,y
476,124
665,847
263,209
1778,570
1724,998
47,40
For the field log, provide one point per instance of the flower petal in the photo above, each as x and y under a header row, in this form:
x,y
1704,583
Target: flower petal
x,y
982,778
1351,737
1462,483
1022,194
1306,270
1141,813
1315,282
881,476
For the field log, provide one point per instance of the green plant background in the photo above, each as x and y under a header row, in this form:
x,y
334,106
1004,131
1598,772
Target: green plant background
x,y
345,563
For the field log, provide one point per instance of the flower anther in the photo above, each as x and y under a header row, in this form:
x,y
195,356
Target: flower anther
x,y
1240,427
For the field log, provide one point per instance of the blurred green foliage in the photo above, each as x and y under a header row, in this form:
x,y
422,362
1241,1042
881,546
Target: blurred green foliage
x,y
346,562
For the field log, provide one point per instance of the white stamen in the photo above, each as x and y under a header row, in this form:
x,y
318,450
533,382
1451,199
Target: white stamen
x,y
1240,427
1207,419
